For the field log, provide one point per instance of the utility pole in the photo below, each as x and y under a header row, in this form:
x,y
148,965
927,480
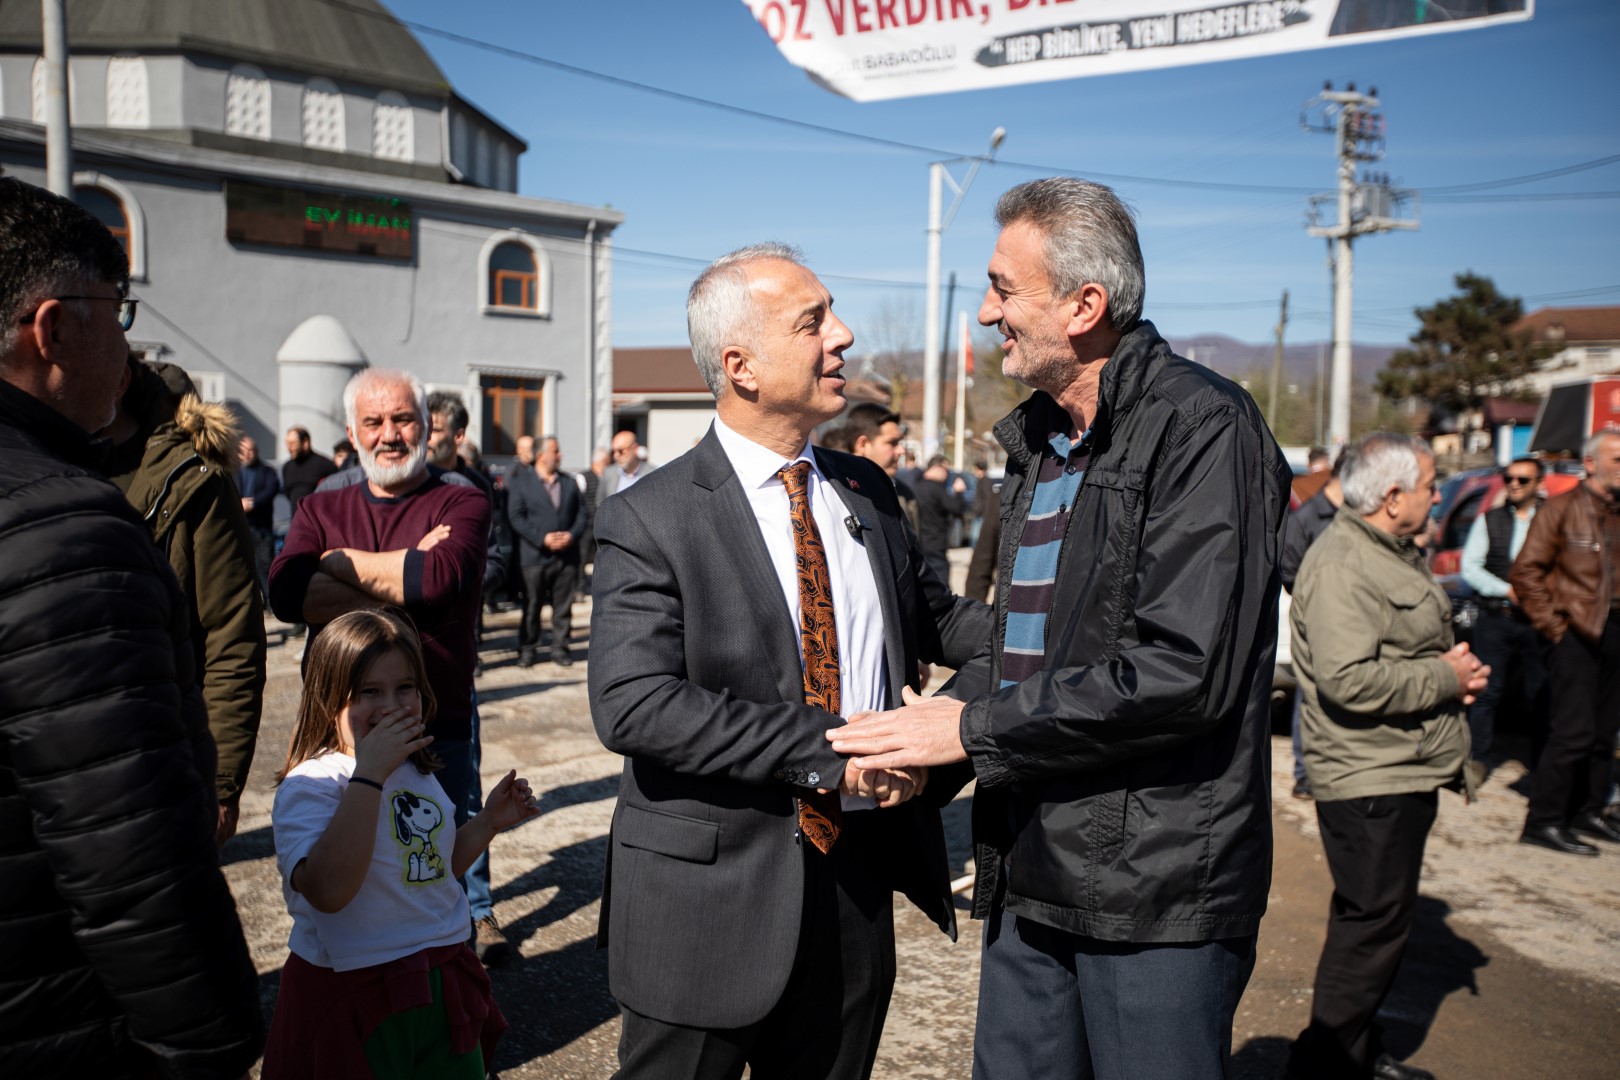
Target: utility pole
x,y
963,353
1370,205
1276,367
938,222
58,135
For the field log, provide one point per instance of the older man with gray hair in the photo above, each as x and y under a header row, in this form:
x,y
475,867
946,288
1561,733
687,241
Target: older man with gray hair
x,y
752,592
410,537
1117,724
1383,688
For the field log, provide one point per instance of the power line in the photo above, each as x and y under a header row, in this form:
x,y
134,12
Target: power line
x,y
1527,178
1541,196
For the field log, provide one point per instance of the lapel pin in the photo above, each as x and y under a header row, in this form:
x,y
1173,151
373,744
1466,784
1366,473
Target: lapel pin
x,y
855,485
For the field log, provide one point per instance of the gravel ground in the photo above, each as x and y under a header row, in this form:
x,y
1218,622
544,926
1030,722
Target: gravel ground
x,y
1514,971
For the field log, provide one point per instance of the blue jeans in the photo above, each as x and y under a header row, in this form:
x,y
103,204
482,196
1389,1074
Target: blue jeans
x,y
460,781
1058,1006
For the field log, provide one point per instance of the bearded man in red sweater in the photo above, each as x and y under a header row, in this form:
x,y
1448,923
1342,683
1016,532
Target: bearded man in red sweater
x,y
411,537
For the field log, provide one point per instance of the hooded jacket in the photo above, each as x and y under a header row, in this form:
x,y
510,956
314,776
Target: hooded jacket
x,y
122,947
176,472
1128,784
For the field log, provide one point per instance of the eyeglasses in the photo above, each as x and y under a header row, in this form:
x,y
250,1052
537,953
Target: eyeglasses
x,y
126,308
1517,480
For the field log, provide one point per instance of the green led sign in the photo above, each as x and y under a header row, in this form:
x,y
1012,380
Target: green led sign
x,y
373,225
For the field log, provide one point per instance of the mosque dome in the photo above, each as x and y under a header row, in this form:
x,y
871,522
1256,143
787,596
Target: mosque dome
x,y
358,40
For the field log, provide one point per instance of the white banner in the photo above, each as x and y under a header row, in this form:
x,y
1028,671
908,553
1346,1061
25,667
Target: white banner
x,y
871,50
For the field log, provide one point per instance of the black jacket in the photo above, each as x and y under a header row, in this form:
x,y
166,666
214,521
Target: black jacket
x,y
116,925
1130,780
937,507
529,509
1304,526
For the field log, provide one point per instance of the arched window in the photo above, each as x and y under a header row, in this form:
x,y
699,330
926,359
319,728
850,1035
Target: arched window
x,y
460,143
505,167
393,128
127,97
514,275
247,102
38,89
323,115
483,159
114,206
109,210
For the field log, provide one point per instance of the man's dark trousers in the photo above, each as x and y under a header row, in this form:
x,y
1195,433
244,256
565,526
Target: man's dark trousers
x,y
264,553
1058,1006
1374,849
1576,766
1500,640
845,955
550,582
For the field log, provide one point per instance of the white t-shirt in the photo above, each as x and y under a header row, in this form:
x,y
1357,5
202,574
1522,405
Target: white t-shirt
x,y
409,901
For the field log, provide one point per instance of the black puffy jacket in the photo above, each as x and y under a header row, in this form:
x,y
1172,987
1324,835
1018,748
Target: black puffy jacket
x,y
1130,780
122,950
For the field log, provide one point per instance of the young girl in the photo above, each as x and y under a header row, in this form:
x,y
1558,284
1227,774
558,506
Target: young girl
x,y
381,981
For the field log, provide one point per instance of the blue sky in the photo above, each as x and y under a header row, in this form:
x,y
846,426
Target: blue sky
x,y
696,182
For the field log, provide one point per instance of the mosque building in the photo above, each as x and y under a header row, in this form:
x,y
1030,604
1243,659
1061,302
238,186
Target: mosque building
x,y
302,193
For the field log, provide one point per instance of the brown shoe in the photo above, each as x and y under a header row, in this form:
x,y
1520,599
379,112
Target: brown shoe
x,y
489,943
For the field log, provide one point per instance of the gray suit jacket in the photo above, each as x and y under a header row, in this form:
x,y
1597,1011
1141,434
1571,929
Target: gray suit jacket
x,y
609,482
695,678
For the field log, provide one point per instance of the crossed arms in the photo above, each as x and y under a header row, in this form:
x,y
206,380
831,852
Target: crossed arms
x,y
316,578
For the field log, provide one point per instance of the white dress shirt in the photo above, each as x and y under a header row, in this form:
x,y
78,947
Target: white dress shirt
x,y
857,612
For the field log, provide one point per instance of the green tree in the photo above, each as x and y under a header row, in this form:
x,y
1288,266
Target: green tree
x,y
1464,351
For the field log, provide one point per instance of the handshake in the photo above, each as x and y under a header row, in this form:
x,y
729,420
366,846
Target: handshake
x,y
890,787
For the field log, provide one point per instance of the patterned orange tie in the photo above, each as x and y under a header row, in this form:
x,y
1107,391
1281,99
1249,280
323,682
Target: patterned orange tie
x,y
819,815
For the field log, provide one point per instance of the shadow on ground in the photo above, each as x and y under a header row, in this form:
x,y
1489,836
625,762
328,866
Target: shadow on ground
x,y
554,998
248,846
1437,963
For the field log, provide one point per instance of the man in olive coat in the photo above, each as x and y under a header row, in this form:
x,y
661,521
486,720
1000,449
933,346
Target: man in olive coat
x,y
1383,688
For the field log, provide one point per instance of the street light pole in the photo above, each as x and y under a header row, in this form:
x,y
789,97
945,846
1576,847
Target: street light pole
x,y
937,224
58,138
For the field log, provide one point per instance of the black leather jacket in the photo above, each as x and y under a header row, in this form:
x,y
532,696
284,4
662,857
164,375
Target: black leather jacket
x,y
1129,782
123,953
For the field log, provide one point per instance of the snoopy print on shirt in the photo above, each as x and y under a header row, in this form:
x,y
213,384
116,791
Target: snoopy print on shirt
x,y
417,819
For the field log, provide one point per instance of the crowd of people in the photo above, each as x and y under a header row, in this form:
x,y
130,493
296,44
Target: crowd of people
x,y
774,602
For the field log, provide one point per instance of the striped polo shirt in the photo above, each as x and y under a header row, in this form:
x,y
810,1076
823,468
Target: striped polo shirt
x,y
1034,576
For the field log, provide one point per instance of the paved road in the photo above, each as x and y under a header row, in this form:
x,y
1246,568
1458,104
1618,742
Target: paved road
x,y
1514,972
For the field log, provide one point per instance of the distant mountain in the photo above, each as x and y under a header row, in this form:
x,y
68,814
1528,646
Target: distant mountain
x,y
1234,358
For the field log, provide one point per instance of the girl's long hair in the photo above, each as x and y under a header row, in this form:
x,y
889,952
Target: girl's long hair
x,y
339,658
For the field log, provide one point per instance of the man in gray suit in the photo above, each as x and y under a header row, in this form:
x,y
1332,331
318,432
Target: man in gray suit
x,y
627,467
758,590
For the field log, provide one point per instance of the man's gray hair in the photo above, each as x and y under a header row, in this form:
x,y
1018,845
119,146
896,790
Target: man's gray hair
x,y
1089,237
719,311
1594,443
367,378
1380,461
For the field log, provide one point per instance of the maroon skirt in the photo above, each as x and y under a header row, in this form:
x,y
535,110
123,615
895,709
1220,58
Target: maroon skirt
x,y
324,1017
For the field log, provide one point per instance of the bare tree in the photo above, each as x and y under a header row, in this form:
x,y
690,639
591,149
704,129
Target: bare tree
x,y
889,342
